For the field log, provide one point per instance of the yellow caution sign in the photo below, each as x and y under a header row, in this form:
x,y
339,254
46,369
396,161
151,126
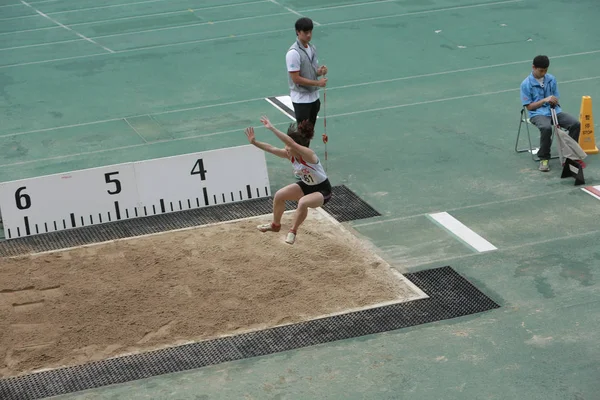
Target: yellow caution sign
x,y
586,134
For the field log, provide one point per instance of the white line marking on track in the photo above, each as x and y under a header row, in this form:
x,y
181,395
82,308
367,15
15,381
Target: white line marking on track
x,y
266,32
332,88
41,44
137,32
66,27
447,99
31,2
149,47
593,191
368,3
189,25
222,132
292,11
462,232
136,131
101,21
508,248
155,1
422,12
136,16
462,208
133,116
261,99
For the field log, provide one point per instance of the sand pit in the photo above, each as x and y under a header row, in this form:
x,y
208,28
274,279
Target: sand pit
x,y
95,302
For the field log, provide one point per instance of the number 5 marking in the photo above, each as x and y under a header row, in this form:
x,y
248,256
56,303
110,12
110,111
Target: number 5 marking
x,y
115,181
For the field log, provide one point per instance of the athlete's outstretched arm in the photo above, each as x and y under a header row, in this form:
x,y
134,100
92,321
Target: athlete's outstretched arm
x,y
304,151
264,146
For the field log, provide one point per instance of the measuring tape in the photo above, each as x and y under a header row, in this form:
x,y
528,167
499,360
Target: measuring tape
x,y
111,193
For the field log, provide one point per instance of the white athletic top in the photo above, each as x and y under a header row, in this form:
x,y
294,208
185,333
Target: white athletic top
x,y
311,174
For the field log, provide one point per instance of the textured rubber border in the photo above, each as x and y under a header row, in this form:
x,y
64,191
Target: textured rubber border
x,y
450,296
343,206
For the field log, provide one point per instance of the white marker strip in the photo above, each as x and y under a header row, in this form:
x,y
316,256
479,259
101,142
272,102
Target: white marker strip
x,y
592,190
462,232
283,104
66,27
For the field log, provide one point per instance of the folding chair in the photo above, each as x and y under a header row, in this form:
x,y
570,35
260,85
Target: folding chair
x,y
530,149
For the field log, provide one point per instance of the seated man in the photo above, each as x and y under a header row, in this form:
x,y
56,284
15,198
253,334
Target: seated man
x,y
539,92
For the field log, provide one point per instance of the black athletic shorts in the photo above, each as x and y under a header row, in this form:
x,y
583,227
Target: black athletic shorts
x,y
324,188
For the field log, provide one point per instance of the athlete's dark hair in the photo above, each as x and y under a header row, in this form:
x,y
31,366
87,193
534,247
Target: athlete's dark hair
x,y
301,133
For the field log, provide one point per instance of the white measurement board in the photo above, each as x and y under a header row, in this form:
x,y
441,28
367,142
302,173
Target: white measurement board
x,y
98,195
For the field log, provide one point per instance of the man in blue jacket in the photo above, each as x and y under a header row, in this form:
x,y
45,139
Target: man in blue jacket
x,y
539,92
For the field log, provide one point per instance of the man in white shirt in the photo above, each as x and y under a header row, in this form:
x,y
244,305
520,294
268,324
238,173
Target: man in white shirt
x,y
303,72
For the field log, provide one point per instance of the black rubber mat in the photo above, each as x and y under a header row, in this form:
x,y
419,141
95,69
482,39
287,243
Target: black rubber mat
x,y
450,296
344,206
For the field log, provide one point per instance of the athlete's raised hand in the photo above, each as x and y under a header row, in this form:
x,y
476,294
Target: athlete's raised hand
x,y
250,135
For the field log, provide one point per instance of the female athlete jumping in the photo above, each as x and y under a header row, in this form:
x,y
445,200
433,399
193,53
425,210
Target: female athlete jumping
x,y
313,190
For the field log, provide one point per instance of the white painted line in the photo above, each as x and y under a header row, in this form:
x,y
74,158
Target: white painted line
x,y
21,17
131,116
66,27
462,232
293,11
489,203
138,32
132,146
155,1
136,131
222,132
11,5
188,25
447,99
261,33
509,248
129,4
41,44
422,12
368,3
593,191
52,60
29,30
132,17
333,88
422,102
109,6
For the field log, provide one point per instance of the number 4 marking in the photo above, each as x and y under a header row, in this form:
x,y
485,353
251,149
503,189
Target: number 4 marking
x,y
198,169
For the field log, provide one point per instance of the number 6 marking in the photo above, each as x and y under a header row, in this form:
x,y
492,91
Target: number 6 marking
x,y
19,197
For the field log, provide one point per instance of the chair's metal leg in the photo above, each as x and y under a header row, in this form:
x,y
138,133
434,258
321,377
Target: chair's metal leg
x,y
533,156
518,135
530,148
